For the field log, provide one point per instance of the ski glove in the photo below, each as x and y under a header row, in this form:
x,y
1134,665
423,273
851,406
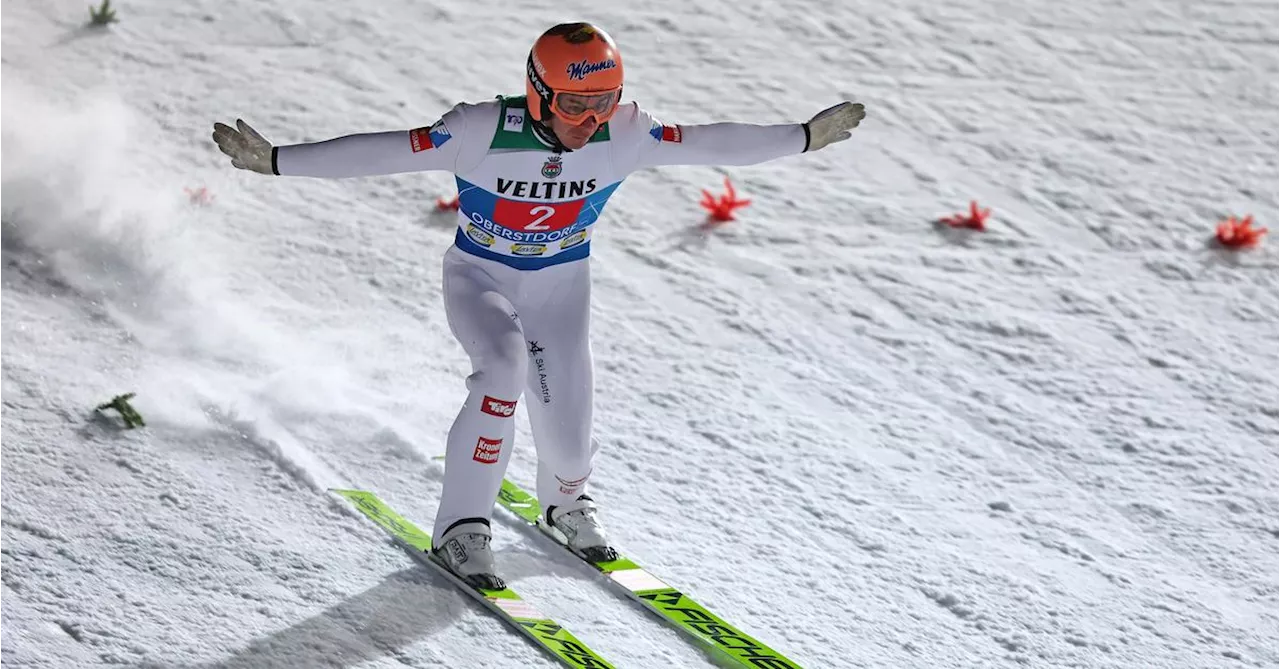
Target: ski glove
x,y
833,124
248,149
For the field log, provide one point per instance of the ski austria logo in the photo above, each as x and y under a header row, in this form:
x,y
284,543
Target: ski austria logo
x,y
552,168
487,451
439,133
497,407
581,69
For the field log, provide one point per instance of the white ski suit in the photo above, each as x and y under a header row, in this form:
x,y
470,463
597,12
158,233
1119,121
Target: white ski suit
x,y
517,283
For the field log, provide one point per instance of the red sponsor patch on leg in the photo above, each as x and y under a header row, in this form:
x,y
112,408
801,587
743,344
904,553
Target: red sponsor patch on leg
x,y
496,407
420,139
487,451
671,133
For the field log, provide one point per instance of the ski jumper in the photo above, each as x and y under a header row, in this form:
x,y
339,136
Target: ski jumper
x,y
517,284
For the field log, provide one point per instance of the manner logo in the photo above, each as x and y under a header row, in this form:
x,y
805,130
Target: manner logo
x,y
582,68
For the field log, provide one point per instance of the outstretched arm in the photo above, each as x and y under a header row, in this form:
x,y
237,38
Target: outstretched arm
x,y
655,144
422,149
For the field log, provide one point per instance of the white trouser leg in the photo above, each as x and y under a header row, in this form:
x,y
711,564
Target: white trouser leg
x,y
479,445
561,384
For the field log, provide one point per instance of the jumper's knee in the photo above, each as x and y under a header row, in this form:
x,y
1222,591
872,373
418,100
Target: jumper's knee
x,y
501,370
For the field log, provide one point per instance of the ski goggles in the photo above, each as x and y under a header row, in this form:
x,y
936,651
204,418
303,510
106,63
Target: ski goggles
x,y
576,107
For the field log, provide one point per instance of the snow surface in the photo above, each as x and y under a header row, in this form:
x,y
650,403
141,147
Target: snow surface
x,y
867,440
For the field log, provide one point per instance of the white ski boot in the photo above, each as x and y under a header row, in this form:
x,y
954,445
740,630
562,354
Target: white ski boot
x,y
464,550
575,525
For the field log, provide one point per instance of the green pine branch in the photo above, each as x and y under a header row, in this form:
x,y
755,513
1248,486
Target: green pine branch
x,y
102,16
121,404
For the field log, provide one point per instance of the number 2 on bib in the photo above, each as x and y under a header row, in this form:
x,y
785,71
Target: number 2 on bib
x,y
531,217
543,213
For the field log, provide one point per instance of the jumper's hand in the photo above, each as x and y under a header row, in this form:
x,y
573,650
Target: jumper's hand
x,y
248,149
833,124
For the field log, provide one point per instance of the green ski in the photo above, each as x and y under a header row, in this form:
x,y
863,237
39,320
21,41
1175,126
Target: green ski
x,y
508,605
672,605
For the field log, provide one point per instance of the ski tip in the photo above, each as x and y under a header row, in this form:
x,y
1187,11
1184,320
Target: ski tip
x,y
346,492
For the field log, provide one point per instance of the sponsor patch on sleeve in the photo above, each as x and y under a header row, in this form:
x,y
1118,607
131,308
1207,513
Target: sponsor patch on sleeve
x,y
429,137
420,139
671,133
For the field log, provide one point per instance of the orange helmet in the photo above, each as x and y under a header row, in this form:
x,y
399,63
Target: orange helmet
x,y
574,71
